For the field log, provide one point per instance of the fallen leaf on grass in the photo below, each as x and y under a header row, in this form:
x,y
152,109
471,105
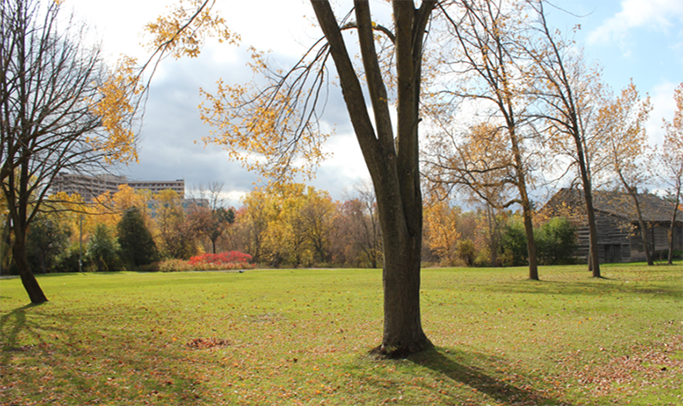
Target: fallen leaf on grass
x,y
201,343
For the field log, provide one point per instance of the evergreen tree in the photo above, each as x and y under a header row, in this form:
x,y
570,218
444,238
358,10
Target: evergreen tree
x,y
46,240
102,249
137,246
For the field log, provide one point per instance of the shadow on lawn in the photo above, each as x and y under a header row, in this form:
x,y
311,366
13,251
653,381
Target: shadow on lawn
x,y
12,323
591,287
477,378
88,360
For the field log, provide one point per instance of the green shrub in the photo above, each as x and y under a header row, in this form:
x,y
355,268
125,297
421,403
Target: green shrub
x,y
556,242
513,245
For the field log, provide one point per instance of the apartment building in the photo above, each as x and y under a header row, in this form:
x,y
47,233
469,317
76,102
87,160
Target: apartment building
x,y
89,187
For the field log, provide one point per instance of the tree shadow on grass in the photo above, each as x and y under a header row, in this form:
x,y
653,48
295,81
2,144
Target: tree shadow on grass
x,y
477,378
590,287
11,325
35,344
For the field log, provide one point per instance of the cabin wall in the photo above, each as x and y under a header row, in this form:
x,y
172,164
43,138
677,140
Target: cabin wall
x,y
614,244
657,235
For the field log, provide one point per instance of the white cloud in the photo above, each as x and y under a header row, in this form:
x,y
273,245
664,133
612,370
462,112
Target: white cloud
x,y
652,14
663,107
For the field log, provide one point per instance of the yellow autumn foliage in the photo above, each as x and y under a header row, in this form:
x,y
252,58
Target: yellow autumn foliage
x,y
183,30
115,107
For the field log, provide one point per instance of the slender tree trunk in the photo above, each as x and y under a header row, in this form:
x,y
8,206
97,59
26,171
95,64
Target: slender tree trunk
x,y
643,229
527,210
531,242
672,226
594,254
594,258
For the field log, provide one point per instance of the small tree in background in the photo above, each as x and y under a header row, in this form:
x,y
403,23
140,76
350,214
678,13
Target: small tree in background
x,y
46,240
102,250
466,251
137,246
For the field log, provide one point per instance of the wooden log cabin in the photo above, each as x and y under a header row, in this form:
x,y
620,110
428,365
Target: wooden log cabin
x,y
619,238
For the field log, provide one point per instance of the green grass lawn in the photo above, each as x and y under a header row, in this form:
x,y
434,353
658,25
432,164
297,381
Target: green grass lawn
x,y
302,337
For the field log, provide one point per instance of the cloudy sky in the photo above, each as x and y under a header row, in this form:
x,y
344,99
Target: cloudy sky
x,y
639,39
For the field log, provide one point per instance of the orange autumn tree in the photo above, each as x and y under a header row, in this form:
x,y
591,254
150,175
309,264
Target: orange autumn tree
x,y
441,221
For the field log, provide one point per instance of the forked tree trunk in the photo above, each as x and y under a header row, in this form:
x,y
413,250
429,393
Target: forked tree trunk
x,y
393,163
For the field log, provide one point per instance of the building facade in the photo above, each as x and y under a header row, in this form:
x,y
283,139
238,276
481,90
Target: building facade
x,y
619,236
89,187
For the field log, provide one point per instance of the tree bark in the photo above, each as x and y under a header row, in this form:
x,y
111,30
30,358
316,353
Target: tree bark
x,y
594,258
527,210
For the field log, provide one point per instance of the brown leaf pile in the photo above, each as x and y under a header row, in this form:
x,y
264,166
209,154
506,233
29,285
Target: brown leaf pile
x,y
202,343
647,366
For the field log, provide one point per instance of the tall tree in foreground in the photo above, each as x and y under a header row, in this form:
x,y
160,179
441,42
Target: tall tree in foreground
x,y
671,159
393,163
278,122
60,110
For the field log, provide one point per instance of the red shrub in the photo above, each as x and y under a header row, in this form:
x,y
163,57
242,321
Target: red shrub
x,y
228,260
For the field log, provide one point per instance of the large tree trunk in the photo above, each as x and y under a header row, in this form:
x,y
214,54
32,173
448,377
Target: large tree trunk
x,y
403,332
17,194
35,293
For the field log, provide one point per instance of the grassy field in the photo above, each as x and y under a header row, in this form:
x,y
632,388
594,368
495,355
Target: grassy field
x,y
302,337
